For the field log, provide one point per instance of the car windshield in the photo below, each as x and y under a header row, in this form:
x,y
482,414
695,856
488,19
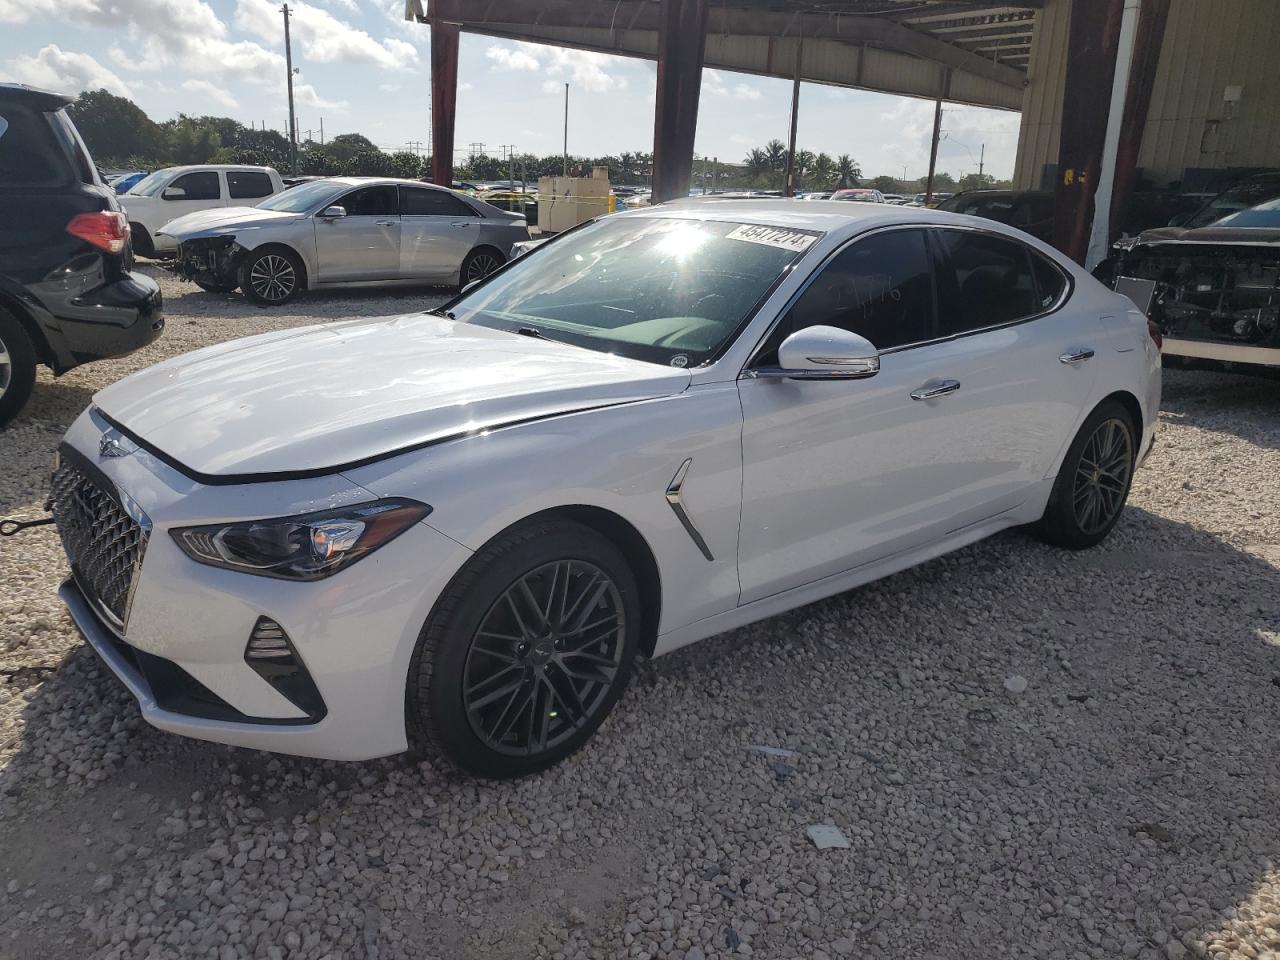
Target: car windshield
x,y
303,197
662,290
993,208
1240,197
1263,215
151,185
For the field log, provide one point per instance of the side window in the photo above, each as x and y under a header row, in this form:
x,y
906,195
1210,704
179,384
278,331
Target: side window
x,y
248,184
879,287
983,281
423,202
29,154
1050,281
199,186
370,202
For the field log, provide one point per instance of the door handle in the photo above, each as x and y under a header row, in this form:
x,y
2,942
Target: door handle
x,y
1076,355
385,223
943,389
463,224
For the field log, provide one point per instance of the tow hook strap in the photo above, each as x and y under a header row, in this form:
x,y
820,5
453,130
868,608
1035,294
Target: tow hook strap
x,y
11,525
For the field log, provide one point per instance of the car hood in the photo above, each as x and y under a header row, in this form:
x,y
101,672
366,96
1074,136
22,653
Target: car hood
x,y
317,399
1227,236
220,220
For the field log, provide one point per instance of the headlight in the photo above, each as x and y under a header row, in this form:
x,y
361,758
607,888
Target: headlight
x,y
307,547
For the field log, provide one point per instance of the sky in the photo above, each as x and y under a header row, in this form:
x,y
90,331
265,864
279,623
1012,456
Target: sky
x,y
363,69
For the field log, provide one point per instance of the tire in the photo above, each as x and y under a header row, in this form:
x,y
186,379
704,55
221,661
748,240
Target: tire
x,y
216,287
479,263
270,277
1093,484
543,697
17,366
143,245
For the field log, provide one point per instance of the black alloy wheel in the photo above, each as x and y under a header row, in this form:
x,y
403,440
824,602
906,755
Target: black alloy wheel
x,y
479,264
1093,482
526,650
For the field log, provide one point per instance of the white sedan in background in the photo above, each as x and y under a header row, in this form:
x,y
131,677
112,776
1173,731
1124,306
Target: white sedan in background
x,y
455,530
344,231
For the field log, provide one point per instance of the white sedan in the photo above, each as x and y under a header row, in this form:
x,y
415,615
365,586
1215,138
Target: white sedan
x,y
456,530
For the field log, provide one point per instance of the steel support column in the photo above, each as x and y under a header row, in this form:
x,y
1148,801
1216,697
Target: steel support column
x,y
1142,80
444,99
1092,42
682,41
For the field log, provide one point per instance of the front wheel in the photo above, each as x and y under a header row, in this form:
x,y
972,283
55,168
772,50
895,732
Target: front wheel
x,y
1093,483
526,652
270,277
479,264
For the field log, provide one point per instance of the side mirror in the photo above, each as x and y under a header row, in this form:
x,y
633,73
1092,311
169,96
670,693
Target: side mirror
x,y
824,353
173,193
334,212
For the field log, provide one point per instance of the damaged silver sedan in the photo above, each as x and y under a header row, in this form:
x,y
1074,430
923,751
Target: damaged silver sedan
x,y
344,231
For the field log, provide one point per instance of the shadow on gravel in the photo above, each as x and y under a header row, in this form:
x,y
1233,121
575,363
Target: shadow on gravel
x,y
1130,797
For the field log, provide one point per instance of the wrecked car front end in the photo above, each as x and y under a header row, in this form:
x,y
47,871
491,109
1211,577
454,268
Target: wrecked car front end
x,y
1214,292
211,261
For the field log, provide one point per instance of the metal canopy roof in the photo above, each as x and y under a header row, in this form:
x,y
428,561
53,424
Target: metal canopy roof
x,y
968,51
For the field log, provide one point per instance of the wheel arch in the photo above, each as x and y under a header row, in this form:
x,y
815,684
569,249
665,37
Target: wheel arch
x,y
479,248
1131,405
138,231
39,341
626,537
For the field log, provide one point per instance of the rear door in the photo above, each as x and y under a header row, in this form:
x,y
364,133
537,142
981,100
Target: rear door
x,y
247,188
437,231
365,244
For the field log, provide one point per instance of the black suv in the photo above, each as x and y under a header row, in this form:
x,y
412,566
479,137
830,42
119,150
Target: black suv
x,y
67,291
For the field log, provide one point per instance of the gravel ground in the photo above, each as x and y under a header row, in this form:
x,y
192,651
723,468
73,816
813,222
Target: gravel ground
x,y
1033,754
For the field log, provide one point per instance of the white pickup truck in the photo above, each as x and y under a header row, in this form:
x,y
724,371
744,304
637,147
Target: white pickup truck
x,y
176,191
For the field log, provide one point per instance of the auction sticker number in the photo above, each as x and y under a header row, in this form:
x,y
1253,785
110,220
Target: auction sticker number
x,y
772,237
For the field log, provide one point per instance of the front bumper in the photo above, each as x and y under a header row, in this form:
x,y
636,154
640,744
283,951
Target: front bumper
x,y
182,649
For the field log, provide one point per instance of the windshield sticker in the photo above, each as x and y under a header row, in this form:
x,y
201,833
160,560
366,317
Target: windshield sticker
x,y
680,360
772,237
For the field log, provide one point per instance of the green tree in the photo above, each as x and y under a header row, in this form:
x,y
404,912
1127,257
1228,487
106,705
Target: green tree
x,y
824,169
368,163
192,141
115,128
943,182
885,184
775,153
406,165
848,173
977,181
345,146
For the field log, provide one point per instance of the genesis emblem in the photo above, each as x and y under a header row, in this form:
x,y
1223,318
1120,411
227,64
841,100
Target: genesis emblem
x,y
112,445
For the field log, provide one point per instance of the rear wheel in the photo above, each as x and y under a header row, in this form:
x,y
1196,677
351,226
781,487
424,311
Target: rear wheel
x,y
17,366
526,651
1093,483
270,277
479,264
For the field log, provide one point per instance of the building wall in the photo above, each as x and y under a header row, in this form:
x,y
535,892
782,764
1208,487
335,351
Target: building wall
x,y
1208,46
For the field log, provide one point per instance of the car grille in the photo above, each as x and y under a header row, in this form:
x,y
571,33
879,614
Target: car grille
x,y
104,544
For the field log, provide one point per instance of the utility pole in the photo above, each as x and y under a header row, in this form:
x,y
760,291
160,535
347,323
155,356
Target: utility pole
x,y
933,151
288,63
322,131
982,156
566,129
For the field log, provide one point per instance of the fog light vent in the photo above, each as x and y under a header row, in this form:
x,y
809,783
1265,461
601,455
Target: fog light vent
x,y
268,642
271,656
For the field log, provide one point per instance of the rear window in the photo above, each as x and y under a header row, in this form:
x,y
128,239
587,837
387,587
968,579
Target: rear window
x,y
248,184
30,155
423,202
986,281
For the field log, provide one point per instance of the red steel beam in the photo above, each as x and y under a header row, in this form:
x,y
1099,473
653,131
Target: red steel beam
x,y
1092,42
444,99
682,42
1142,80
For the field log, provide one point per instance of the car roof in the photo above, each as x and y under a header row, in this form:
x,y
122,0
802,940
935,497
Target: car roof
x,y
34,96
188,167
824,215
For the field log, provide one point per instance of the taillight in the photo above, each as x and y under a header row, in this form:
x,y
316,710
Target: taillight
x,y
1153,331
107,230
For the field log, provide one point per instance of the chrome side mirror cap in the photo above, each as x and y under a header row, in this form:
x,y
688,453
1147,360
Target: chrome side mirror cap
x,y
334,212
823,353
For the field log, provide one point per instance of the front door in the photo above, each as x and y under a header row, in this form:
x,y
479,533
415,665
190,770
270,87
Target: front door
x,y
839,473
201,190
365,244
438,230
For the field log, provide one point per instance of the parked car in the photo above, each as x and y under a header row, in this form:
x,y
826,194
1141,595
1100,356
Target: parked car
x,y
1241,195
341,231
457,529
1029,210
1212,290
124,183
919,199
861,194
67,291
176,191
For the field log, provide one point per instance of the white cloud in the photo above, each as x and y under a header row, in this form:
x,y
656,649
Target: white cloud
x,y
716,84
66,72
211,91
589,71
322,37
304,94
20,11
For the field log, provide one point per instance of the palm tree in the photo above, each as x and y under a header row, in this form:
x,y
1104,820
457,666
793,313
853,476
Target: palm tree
x,y
757,162
823,170
804,166
848,171
775,152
